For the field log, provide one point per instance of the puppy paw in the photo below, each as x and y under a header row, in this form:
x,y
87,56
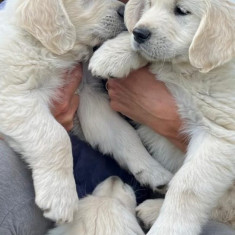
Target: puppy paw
x,y
106,63
115,58
155,176
148,211
56,195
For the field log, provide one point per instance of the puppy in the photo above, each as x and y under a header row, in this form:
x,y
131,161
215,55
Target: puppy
x,y
191,47
39,41
110,210
224,212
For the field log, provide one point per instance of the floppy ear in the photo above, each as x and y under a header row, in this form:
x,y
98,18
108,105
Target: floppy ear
x,y
133,12
48,22
214,42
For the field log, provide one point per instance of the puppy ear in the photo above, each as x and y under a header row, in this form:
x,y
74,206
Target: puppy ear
x,y
133,12
48,22
214,42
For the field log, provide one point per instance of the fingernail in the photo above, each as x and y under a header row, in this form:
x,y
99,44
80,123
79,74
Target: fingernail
x,y
107,86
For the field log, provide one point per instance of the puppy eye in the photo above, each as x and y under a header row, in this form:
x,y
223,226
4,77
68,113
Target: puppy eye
x,y
179,11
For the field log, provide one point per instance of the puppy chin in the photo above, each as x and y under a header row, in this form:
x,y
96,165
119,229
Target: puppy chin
x,y
134,45
138,48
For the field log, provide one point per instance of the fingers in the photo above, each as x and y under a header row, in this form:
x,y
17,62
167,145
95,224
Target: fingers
x,y
121,99
66,118
73,80
114,91
64,109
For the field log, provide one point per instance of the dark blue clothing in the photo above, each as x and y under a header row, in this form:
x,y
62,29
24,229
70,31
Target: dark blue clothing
x,y
91,167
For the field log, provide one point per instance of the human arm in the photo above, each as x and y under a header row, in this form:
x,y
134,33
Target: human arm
x,y
64,110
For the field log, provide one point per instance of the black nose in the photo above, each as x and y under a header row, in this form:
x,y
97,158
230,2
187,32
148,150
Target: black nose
x,y
141,35
121,11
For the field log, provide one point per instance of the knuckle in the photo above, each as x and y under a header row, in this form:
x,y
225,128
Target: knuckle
x,y
115,106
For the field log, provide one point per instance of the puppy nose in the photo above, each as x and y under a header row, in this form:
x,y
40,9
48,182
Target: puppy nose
x,y
141,35
115,179
121,11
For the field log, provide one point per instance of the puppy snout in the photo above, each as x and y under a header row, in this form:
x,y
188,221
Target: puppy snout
x,y
141,35
121,11
115,179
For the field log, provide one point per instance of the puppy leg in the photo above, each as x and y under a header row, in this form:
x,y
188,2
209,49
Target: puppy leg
x,y
115,58
148,211
31,130
207,173
225,210
161,149
104,128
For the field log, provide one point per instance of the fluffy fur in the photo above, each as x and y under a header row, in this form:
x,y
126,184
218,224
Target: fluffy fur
x,y
191,48
39,41
149,210
110,210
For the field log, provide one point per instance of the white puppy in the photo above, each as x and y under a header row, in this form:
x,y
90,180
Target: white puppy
x,y
39,41
110,210
191,46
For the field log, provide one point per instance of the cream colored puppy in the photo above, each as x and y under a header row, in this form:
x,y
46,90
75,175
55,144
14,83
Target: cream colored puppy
x,y
224,212
191,47
39,41
110,210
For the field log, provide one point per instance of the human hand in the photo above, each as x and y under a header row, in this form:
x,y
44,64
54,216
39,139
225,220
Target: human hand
x,y
64,109
144,99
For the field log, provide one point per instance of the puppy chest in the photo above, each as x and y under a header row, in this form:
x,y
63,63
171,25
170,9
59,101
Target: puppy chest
x,y
206,102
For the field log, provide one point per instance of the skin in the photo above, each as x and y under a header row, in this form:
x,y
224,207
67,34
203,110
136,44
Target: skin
x,y
143,99
155,108
65,110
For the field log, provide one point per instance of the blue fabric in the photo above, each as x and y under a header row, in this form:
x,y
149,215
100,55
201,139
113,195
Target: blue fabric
x,y
91,167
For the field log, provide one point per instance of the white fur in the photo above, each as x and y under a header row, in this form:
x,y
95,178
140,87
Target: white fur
x,y
105,129
194,56
39,41
110,210
149,210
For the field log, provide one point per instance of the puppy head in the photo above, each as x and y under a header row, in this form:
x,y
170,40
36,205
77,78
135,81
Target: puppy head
x,y
201,31
96,20
113,187
61,24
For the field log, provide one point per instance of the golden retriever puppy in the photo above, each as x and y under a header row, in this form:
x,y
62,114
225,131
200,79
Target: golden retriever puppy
x,y
191,47
110,210
39,41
